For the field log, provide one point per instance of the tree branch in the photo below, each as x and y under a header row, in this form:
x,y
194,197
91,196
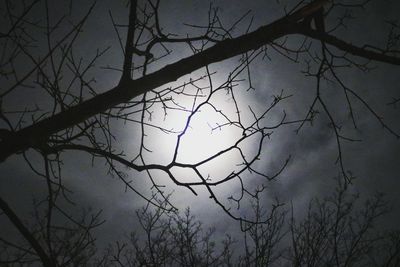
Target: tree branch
x,y
25,233
348,47
37,134
129,46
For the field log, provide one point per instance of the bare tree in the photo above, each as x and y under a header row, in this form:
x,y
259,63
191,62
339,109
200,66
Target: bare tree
x,y
262,240
40,59
169,239
338,230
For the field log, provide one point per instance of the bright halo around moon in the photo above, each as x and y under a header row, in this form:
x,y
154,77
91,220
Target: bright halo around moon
x,y
207,134
206,127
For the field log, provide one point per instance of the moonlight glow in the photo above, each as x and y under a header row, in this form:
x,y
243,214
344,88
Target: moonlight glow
x,y
208,132
205,136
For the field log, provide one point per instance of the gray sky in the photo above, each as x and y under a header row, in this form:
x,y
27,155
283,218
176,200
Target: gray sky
x,y
374,161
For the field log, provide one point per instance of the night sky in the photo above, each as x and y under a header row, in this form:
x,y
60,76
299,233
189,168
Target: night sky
x,y
313,150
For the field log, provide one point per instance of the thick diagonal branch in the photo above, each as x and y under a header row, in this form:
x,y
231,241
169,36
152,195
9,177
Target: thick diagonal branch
x,y
35,135
127,89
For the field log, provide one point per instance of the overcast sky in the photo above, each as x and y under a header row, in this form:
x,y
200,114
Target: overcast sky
x,y
374,161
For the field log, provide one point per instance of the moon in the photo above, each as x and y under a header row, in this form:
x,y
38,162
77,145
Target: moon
x,y
198,133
